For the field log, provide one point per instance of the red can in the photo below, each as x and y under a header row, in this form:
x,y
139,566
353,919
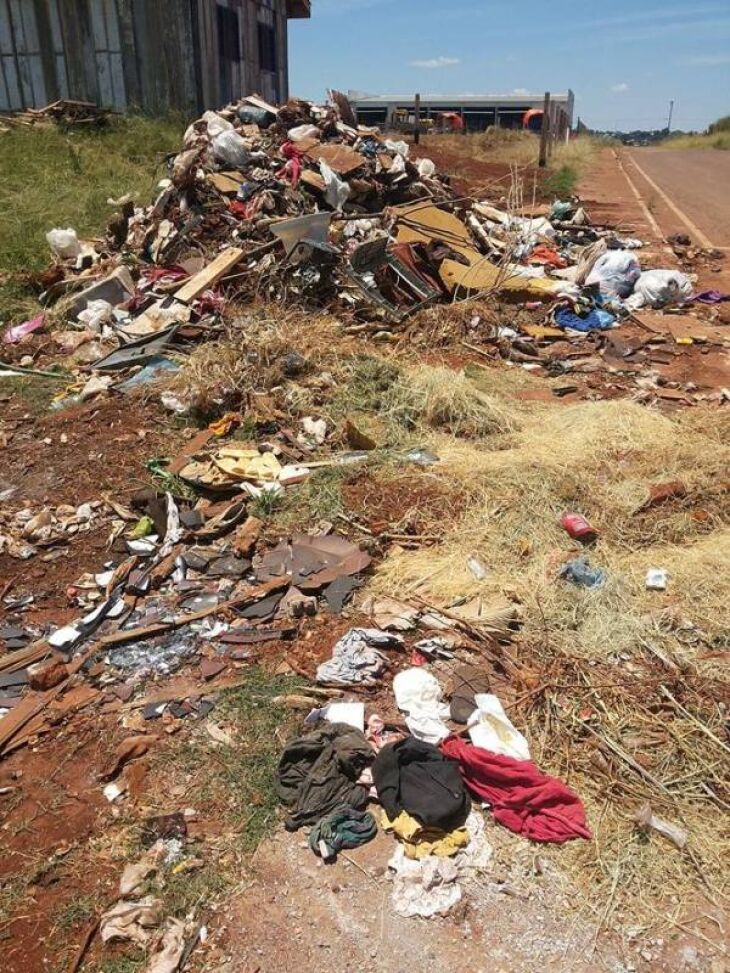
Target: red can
x,y
578,527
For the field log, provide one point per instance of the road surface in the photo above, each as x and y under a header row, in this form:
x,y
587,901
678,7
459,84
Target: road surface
x,y
688,190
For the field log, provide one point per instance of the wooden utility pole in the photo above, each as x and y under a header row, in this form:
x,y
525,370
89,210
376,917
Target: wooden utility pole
x,y
542,161
417,120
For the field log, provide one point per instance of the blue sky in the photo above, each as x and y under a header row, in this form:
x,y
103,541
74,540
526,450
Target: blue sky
x,y
624,60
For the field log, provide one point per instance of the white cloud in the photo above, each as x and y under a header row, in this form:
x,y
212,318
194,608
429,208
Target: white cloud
x,y
620,88
705,60
435,62
520,91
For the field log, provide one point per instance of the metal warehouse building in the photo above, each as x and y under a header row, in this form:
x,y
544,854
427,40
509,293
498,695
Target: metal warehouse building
x,y
477,111
152,55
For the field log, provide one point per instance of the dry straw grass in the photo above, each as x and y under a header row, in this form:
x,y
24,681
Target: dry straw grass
x,y
439,398
594,662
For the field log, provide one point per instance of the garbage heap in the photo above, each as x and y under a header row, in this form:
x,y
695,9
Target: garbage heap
x,y
300,204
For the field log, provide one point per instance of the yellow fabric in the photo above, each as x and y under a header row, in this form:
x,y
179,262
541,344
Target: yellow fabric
x,y
419,842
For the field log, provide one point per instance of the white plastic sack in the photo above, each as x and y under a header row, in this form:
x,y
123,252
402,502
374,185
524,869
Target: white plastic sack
x,y
418,694
490,728
656,288
64,243
426,168
615,272
230,148
337,192
300,132
400,148
96,314
216,124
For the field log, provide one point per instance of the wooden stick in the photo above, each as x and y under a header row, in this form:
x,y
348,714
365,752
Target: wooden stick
x,y
700,726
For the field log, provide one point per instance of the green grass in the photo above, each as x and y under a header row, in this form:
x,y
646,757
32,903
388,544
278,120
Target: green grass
x,y
237,779
713,140
35,393
55,178
75,912
562,182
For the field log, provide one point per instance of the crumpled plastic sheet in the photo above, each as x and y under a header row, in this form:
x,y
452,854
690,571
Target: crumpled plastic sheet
x,y
356,659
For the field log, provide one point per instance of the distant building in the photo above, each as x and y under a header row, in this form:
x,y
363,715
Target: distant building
x,y
477,111
152,55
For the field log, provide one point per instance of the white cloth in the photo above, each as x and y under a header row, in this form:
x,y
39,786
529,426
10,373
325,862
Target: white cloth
x,y
418,694
490,729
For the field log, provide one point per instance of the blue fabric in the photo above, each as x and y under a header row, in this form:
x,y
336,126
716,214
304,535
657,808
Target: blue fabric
x,y
595,320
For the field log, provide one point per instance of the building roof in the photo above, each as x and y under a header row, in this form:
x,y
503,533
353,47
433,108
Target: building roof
x,y
358,98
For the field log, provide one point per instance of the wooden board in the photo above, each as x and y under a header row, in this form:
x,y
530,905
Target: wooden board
x,y
209,275
341,158
224,183
683,326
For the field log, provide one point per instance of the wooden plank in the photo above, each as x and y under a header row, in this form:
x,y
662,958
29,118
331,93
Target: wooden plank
x,y
209,275
128,50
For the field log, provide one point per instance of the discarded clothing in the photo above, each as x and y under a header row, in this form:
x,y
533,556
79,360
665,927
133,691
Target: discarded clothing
x,y
595,320
415,777
319,772
418,694
465,684
423,888
580,573
710,297
419,842
491,729
131,921
355,658
522,798
171,950
343,828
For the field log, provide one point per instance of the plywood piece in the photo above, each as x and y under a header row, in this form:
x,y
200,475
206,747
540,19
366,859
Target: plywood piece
x,y
209,275
341,158
313,180
224,183
484,276
541,331
683,326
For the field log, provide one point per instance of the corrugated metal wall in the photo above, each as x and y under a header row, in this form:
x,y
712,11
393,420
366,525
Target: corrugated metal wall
x,y
153,55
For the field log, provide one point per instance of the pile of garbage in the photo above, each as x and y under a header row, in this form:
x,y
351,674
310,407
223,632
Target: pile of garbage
x,y
300,204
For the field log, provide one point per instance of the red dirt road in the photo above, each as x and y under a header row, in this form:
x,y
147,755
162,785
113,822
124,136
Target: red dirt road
x,y
696,181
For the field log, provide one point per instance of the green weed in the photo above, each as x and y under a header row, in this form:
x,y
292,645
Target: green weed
x,y
562,183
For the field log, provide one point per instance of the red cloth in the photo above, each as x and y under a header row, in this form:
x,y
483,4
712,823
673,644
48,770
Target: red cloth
x,y
523,799
546,255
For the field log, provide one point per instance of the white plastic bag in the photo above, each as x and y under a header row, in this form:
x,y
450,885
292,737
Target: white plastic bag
x,y
337,191
426,168
95,315
300,132
230,148
656,288
64,243
490,729
216,124
615,272
400,148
